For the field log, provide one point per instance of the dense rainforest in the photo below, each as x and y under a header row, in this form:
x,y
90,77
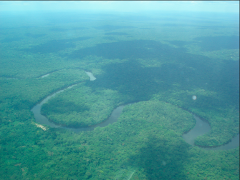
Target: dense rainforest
x,y
152,66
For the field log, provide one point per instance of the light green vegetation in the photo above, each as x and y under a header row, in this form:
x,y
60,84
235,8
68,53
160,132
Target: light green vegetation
x,y
159,67
138,142
223,120
24,93
81,106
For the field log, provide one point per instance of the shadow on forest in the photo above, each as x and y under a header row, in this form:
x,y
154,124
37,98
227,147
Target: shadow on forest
x,y
10,39
187,71
127,49
218,43
161,160
54,46
20,104
131,79
228,81
62,106
140,83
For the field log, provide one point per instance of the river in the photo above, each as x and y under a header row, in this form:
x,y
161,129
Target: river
x,y
201,127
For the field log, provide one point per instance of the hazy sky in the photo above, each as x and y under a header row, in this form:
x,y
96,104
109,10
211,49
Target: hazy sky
x,y
126,6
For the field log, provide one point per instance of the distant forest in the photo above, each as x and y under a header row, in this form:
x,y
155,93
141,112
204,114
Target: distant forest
x,y
152,66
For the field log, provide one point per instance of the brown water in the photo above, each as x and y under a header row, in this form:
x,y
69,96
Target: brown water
x,y
201,127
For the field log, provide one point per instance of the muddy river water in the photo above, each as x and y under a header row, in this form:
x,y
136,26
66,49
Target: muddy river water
x,y
201,127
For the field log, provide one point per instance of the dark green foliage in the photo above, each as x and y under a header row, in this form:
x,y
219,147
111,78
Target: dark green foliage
x,y
81,106
161,160
157,65
61,106
218,43
54,46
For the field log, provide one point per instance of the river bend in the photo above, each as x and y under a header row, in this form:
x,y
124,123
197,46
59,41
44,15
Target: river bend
x,y
201,127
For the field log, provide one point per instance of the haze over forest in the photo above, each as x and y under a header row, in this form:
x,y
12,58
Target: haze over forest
x,y
119,90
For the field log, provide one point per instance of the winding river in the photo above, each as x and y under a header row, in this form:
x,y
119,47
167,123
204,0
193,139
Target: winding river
x,y
201,127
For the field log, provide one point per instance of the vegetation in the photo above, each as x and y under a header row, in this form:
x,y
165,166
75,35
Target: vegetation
x,y
159,71
81,106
